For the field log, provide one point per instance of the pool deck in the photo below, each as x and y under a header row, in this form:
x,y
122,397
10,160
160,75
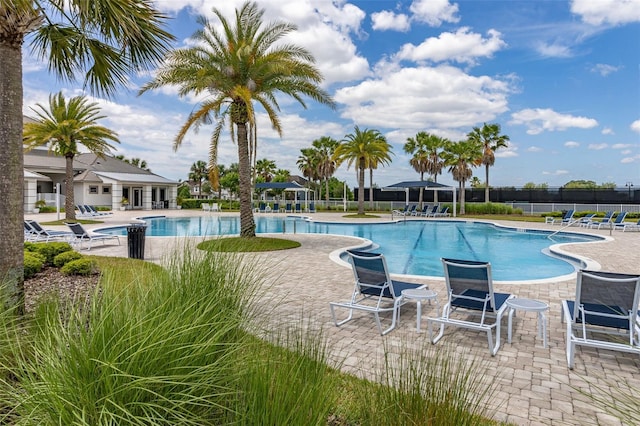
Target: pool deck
x,y
535,385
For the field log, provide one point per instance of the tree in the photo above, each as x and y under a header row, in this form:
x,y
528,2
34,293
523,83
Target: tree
x,y
242,65
379,154
426,158
77,39
64,127
491,140
326,163
580,184
460,157
199,171
265,169
134,162
308,164
364,149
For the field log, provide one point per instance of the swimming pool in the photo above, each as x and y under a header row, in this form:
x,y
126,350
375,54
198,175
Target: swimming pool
x,y
412,247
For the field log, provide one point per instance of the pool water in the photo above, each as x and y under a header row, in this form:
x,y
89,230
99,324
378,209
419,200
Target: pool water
x,y
411,247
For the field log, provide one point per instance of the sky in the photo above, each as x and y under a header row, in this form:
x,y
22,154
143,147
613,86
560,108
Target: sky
x,y
561,78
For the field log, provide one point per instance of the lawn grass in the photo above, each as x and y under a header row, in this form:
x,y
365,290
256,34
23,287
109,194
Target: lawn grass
x,y
239,244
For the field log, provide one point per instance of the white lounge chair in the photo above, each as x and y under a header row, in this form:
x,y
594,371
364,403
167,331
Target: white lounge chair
x,y
470,290
374,291
38,233
606,220
206,207
80,235
606,304
631,226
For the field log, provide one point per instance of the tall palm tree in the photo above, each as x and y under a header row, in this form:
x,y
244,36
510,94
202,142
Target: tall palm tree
x,y
242,65
491,140
199,171
308,164
326,163
417,146
460,157
92,40
365,149
379,154
266,169
434,146
64,127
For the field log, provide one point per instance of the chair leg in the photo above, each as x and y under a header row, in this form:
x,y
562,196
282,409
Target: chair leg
x,y
335,321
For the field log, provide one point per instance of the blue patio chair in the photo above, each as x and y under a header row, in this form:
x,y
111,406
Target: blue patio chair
x,y
298,208
288,208
606,220
312,207
619,222
401,212
470,291
606,304
425,210
567,218
262,208
276,208
374,291
434,211
38,233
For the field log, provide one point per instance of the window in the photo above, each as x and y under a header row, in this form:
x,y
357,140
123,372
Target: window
x,y
106,190
93,190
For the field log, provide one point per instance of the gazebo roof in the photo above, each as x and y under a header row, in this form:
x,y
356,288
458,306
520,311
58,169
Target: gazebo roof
x,y
417,184
287,186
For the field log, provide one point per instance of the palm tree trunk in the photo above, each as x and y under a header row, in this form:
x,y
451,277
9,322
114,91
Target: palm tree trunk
x,y
69,203
370,189
247,224
421,196
361,188
435,193
12,176
462,196
326,190
486,184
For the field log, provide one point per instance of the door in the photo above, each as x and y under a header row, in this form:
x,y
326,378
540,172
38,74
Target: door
x,y
137,198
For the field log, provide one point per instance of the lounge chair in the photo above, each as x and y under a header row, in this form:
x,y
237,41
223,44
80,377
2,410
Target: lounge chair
x,y
401,212
287,208
38,233
434,211
444,212
276,207
470,290
298,208
80,235
619,222
606,220
94,212
83,212
425,209
312,207
411,211
631,226
374,291
214,207
606,303
206,207
567,219
262,208
585,221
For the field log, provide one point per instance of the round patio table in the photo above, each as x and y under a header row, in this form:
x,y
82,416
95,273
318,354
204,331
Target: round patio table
x,y
529,305
419,295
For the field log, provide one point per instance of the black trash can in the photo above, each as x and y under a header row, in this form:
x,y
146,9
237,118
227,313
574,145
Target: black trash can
x,y
135,240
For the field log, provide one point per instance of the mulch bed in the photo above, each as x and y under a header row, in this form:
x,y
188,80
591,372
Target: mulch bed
x,y
51,281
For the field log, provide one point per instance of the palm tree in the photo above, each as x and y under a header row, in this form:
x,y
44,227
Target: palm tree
x,y
420,160
308,164
242,65
266,169
101,44
379,154
491,140
365,149
461,157
64,127
199,171
326,163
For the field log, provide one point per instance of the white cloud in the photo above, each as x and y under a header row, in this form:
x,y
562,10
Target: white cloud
x,y
628,160
388,20
508,152
635,126
434,12
571,144
554,50
556,173
626,152
463,46
534,149
603,12
608,131
598,146
604,69
621,145
417,98
539,120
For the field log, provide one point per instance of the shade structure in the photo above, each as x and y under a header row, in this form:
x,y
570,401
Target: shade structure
x,y
286,186
428,185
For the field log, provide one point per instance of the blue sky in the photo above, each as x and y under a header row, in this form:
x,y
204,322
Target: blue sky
x,y
562,78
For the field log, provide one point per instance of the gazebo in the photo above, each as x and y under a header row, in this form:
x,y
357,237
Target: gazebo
x,y
286,186
428,185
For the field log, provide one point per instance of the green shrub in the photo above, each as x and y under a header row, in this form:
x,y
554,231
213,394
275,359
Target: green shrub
x,y
33,263
50,250
81,266
66,257
28,246
490,208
